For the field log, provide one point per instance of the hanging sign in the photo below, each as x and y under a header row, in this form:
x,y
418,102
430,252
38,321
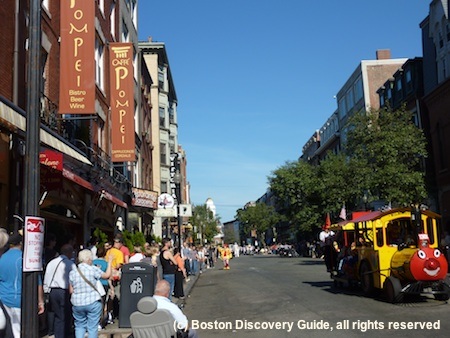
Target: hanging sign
x,y
122,102
77,57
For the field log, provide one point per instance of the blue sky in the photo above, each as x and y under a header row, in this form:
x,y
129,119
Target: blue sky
x,y
255,78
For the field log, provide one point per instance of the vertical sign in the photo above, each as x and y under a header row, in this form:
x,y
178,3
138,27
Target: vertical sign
x,y
122,102
77,57
33,243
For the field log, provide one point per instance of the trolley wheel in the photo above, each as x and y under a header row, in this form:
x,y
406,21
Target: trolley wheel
x,y
441,296
393,290
366,278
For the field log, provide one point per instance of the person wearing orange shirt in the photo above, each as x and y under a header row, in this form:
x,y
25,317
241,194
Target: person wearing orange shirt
x,y
180,274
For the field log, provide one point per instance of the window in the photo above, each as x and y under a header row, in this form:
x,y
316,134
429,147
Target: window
x,y
399,85
160,78
342,108
45,4
162,117
163,153
101,6
99,63
400,231
382,99
112,19
389,93
380,237
350,100
358,89
125,33
408,76
100,133
133,11
408,79
163,187
430,229
171,116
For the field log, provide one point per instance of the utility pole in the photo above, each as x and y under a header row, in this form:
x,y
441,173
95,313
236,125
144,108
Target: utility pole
x,y
29,307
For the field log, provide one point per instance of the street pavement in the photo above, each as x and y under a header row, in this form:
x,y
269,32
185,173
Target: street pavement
x,y
270,296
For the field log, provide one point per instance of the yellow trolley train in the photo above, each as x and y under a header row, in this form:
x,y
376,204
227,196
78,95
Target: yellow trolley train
x,y
396,251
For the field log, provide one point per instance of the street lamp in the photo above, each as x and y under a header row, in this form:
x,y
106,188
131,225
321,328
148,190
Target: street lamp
x,y
177,180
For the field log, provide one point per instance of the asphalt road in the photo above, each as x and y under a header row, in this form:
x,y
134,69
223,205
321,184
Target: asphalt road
x,y
269,296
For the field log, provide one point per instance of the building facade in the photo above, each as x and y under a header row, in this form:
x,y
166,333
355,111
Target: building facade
x,y
164,132
82,187
436,75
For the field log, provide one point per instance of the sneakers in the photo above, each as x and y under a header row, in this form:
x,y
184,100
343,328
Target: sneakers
x,y
110,318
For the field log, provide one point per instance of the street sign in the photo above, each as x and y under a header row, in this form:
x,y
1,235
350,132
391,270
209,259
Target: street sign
x,y
33,243
185,210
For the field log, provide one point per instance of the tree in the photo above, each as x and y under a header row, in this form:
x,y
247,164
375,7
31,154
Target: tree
x,y
382,157
296,186
339,182
387,150
259,218
204,221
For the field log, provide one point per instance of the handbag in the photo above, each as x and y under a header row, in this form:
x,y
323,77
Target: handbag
x,y
98,287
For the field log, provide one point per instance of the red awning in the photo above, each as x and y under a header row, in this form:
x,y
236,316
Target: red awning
x,y
114,199
77,179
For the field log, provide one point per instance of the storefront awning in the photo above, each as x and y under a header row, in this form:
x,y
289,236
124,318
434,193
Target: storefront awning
x,y
114,199
13,118
77,179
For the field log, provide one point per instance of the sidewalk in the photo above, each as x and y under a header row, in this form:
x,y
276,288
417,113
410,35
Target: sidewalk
x,y
113,330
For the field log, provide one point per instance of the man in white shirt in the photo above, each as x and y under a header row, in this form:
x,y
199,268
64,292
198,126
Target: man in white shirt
x,y
161,295
326,241
56,282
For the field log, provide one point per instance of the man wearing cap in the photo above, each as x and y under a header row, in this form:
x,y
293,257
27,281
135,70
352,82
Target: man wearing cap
x,y
11,283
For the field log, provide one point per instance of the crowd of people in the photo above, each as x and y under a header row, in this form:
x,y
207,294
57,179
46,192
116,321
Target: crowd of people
x,y
79,290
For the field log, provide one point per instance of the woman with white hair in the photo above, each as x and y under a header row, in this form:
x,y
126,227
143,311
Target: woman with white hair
x,y
86,300
4,237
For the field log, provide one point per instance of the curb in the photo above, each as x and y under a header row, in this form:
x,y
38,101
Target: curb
x,y
187,291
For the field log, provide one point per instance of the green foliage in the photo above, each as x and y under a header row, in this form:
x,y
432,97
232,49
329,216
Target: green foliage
x,y
339,182
297,188
130,239
383,156
205,223
102,237
259,217
388,150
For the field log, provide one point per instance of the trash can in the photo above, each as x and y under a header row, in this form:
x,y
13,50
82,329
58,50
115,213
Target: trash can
x,y
137,280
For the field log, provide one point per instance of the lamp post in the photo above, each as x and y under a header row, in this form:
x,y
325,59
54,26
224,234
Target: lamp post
x,y
177,180
29,304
